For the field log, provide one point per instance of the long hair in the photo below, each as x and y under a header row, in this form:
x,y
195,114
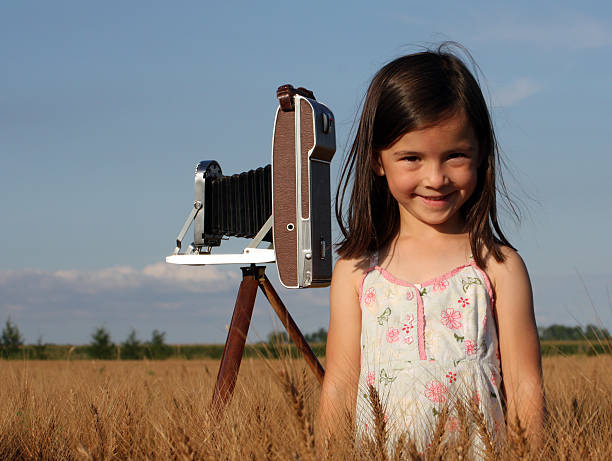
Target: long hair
x,y
414,92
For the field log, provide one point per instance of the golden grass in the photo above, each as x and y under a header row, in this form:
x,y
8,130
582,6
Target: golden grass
x,y
160,410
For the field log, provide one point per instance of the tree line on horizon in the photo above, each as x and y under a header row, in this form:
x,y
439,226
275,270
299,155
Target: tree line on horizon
x,y
102,347
557,332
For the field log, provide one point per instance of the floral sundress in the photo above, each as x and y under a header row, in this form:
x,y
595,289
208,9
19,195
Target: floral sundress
x,y
423,346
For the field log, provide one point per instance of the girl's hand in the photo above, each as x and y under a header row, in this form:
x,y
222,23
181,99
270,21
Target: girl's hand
x,y
342,356
519,344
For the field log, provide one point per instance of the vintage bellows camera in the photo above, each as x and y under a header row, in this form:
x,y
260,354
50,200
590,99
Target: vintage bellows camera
x,y
286,204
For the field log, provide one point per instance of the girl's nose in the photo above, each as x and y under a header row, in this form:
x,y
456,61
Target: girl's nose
x,y
436,176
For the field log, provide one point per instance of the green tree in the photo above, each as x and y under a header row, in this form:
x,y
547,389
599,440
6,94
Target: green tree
x,y
319,336
278,337
561,332
131,348
157,347
11,339
593,332
101,346
40,350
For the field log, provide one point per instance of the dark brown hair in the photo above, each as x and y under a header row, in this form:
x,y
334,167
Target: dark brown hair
x,y
414,92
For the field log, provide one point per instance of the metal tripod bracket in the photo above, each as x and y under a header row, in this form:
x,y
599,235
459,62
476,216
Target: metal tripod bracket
x,y
195,257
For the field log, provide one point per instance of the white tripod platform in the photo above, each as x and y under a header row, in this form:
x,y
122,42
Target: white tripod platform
x,y
250,255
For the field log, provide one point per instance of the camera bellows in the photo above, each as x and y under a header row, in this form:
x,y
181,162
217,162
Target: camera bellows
x,y
233,206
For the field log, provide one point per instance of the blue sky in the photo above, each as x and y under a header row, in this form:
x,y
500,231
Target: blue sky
x,y
106,108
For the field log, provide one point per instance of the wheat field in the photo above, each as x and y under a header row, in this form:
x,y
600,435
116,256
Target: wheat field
x,y
103,410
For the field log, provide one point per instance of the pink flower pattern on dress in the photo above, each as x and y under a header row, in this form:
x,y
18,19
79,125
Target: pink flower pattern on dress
x,y
470,347
476,398
451,318
410,295
408,325
392,335
436,391
408,339
407,329
440,284
371,379
452,424
370,296
463,301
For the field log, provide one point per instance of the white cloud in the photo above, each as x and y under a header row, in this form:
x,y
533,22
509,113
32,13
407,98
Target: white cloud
x,y
514,92
211,276
191,279
191,304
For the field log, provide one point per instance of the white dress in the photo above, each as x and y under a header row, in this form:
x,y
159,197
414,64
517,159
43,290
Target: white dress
x,y
425,345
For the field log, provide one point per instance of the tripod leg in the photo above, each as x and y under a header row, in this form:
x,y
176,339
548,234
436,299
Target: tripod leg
x,y
290,326
236,338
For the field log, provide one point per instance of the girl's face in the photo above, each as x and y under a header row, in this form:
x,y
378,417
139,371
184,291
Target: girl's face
x,y
432,172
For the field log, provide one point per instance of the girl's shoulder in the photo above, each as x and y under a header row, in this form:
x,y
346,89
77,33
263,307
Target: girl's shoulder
x,y
350,271
507,272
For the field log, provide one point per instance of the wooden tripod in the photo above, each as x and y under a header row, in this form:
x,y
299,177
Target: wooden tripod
x,y
252,277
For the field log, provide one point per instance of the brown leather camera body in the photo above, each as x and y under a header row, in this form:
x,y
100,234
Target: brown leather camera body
x,y
304,143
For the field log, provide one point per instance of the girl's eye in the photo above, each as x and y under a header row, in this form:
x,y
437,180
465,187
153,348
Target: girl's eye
x,y
457,155
411,158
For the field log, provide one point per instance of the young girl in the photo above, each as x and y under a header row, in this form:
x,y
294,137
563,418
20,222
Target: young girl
x,y
429,302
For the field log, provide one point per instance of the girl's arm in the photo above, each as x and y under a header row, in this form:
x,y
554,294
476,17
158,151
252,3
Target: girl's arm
x,y
519,345
342,356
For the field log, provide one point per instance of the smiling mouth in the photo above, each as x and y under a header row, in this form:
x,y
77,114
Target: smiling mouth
x,y
435,198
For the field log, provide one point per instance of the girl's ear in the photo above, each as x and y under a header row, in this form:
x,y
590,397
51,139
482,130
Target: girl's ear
x,y
377,165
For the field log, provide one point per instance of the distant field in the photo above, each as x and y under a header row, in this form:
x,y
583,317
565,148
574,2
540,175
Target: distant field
x,y
174,351
572,347
160,410
215,351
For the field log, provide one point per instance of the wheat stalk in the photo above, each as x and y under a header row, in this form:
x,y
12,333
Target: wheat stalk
x,y
296,397
100,432
398,448
462,444
437,447
483,432
519,445
381,435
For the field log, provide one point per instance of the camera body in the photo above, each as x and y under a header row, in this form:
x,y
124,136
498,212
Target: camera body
x,y
286,203
304,143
